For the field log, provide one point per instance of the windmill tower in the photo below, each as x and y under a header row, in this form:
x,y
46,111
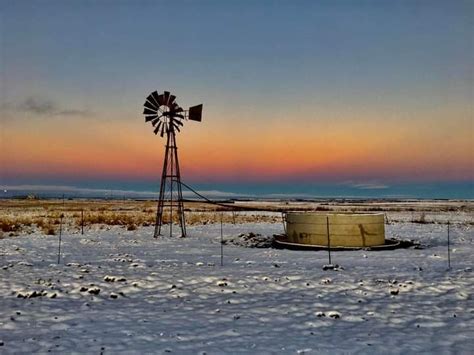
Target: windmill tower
x,y
167,117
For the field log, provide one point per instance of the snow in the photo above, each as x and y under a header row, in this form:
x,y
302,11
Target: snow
x,y
121,291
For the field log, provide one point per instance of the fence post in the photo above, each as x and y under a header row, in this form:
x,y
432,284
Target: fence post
x,y
449,249
329,240
60,234
222,244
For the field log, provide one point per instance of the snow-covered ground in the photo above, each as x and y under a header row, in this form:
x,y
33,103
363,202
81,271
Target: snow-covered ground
x,y
123,291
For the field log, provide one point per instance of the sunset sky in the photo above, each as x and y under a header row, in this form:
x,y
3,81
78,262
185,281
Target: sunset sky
x,y
365,94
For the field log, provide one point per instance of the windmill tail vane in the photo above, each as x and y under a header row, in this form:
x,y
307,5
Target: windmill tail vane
x,y
167,117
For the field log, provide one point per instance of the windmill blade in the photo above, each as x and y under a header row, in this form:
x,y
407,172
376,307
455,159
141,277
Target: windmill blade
x,y
153,106
156,129
149,105
159,125
149,118
152,101
177,128
178,115
155,121
147,111
175,107
171,100
195,113
162,129
161,99
166,96
154,97
176,124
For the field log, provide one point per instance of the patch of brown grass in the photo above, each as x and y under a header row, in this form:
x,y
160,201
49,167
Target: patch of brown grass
x,y
121,218
14,224
194,218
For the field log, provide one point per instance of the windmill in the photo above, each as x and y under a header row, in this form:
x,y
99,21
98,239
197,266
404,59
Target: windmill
x,y
167,117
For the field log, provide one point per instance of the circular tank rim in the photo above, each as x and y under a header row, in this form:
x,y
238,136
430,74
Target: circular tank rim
x,y
338,213
281,241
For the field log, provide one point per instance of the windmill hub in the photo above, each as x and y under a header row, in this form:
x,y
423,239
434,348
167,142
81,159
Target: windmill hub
x,y
167,117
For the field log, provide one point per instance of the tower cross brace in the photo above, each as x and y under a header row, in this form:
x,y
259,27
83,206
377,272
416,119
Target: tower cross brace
x,y
170,202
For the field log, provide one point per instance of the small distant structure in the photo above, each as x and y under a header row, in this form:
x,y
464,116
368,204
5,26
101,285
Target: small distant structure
x,y
167,117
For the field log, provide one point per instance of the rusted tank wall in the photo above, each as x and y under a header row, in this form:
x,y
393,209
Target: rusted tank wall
x,y
345,230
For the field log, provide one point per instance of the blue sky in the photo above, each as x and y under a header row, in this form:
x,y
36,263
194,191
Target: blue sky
x,y
270,50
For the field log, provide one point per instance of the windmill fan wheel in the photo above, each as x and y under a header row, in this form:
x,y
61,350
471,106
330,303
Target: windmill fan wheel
x,y
163,112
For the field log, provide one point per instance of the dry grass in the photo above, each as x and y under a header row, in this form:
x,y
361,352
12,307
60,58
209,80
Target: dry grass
x,y
194,218
9,224
49,222
117,218
25,216
17,224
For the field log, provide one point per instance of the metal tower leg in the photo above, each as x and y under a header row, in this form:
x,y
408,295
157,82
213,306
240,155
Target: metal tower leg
x,y
182,220
171,175
161,199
